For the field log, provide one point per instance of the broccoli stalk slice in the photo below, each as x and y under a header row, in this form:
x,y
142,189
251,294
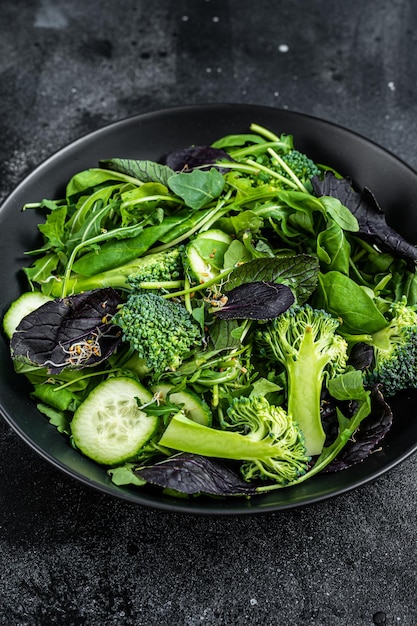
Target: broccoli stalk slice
x,y
304,341
305,378
184,435
271,446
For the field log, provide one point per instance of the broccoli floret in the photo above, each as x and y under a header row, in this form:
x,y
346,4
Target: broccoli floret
x,y
395,351
304,341
162,332
263,436
162,267
302,166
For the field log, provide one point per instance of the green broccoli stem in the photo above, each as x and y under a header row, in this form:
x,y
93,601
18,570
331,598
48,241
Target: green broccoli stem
x,y
162,284
184,435
264,132
305,376
116,278
288,170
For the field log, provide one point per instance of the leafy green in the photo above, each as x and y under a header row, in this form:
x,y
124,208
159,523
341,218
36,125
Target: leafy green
x,y
197,188
144,171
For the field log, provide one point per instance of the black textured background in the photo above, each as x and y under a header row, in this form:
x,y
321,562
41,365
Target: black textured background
x,y
71,556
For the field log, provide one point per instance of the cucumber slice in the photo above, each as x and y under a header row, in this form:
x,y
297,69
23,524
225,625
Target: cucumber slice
x,y
25,304
108,426
194,407
205,253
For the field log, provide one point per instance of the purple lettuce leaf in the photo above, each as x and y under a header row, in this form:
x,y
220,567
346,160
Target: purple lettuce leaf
x,y
192,474
75,331
373,226
256,301
187,159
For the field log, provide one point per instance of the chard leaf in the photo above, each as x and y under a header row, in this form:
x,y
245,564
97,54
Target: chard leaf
x,y
193,474
225,333
372,223
143,170
256,301
75,331
299,272
197,188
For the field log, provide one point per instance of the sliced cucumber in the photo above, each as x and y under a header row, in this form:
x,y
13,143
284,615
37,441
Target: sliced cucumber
x,y
205,253
194,407
109,427
25,304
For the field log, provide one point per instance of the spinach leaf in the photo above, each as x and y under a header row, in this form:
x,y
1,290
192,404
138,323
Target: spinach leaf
x,y
333,249
197,188
344,298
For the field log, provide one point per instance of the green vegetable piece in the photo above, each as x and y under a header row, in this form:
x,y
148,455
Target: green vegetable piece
x,y
304,341
192,405
263,436
344,298
395,350
197,188
162,332
109,426
205,254
145,171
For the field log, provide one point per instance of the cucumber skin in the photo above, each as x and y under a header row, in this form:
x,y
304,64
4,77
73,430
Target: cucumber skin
x,y
85,421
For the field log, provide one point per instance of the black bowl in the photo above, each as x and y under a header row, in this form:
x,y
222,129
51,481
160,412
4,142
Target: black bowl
x,y
150,136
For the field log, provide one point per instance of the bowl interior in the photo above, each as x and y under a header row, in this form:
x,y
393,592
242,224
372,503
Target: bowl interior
x,y
150,136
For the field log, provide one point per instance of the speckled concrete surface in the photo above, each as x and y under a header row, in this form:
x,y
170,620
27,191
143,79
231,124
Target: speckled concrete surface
x,y
71,556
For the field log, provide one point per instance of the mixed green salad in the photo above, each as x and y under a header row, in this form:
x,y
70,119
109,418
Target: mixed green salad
x,y
228,321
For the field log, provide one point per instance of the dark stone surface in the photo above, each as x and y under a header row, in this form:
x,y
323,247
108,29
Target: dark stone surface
x,y
69,555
